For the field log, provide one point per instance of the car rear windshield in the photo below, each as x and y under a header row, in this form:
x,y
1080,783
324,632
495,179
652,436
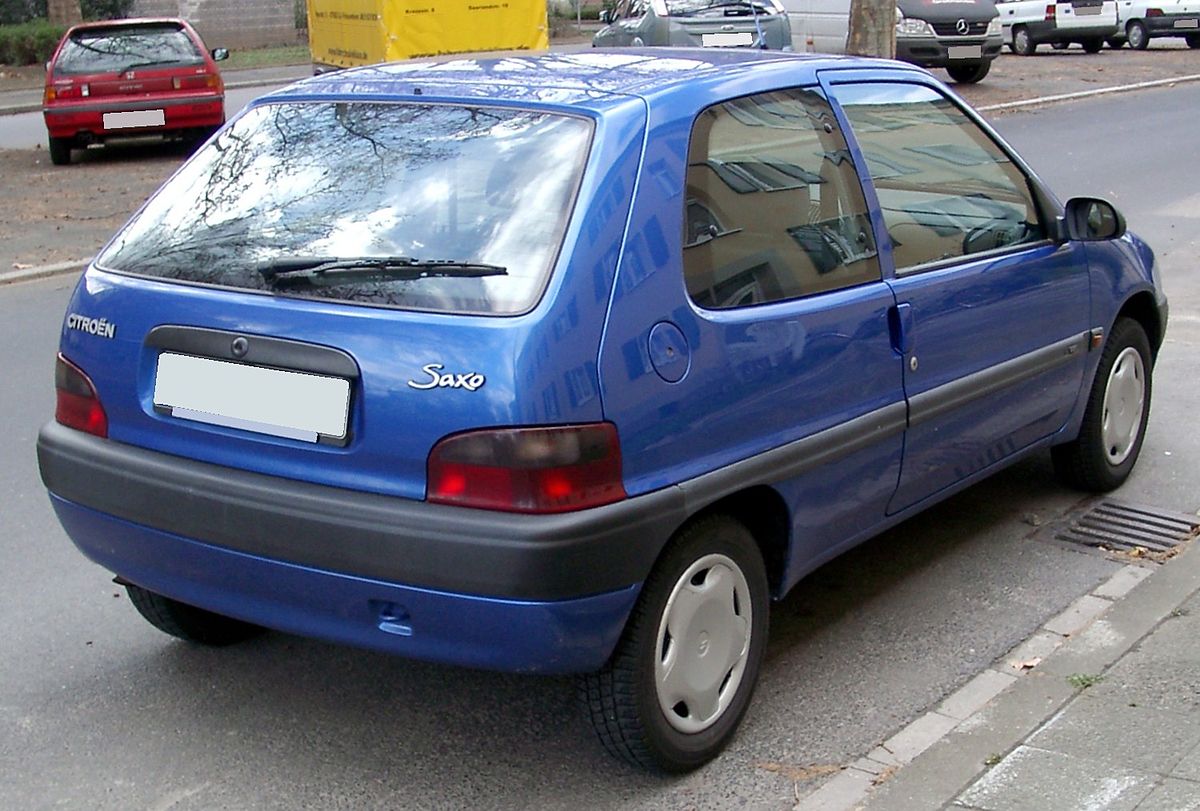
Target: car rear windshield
x,y
433,188
125,48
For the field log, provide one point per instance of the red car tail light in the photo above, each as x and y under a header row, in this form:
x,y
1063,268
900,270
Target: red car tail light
x,y
528,470
206,80
1154,12
1050,12
77,405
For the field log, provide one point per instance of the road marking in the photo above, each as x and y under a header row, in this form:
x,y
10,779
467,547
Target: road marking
x,y
1083,94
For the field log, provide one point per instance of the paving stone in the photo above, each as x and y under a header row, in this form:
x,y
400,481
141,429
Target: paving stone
x,y
919,736
1110,731
1038,646
1173,795
1189,766
843,792
1122,582
975,694
1032,778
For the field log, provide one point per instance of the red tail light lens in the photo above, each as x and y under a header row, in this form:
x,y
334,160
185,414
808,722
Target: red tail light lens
x,y
78,406
1154,12
528,470
1050,12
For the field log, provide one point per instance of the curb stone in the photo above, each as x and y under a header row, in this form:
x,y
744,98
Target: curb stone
x,y
936,757
42,271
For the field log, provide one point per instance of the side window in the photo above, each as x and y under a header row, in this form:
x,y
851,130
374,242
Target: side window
x,y
945,188
774,209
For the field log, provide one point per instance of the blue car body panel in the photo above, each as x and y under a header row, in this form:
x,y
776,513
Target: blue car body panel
x,y
844,412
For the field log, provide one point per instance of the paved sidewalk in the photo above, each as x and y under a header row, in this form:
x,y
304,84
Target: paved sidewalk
x,y
1098,710
30,99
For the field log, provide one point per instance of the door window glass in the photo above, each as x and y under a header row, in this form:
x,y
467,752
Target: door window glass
x,y
774,209
945,188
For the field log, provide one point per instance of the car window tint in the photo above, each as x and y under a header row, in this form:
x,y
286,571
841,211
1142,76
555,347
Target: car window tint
x,y
945,188
774,209
116,50
463,184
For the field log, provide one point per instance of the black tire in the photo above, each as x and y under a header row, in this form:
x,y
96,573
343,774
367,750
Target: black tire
x,y
969,72
188,622
1137,36
1022,42
1060,46
1116,43
1092,46
1090,462
624,701
1192,40
60,151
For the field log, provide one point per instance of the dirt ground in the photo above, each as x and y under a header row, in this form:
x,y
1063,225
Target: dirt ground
x,y
52,214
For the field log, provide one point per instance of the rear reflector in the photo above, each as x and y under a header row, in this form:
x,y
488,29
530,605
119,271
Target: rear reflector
x,y
77,405
528,470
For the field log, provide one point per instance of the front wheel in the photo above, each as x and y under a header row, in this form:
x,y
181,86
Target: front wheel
x,y
681,678
969,72
1092,46
1137,36
1103,455
1022,43
188,622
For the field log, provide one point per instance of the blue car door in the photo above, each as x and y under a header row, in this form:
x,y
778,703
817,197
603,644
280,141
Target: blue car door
x,y
993,314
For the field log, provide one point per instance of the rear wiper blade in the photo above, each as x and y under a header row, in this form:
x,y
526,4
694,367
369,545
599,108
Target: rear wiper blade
x,y
148,64
326,271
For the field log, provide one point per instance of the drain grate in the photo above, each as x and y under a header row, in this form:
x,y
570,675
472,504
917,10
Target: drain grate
x,y
1132,528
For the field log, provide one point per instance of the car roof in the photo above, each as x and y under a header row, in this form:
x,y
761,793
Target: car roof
x,y
562,78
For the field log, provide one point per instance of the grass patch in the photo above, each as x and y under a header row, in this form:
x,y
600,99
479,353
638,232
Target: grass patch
x,y
1082,681
276,56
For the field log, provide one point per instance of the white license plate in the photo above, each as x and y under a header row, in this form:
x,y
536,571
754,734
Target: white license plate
x,y
1087,11
726,40
134,118
296,405
965,51
1187,23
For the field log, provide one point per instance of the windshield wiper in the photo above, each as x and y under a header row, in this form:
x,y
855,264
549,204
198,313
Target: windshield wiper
x,y
325,271
148,64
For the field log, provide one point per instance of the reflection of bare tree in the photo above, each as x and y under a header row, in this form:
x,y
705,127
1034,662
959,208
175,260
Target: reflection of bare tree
x,y
346,179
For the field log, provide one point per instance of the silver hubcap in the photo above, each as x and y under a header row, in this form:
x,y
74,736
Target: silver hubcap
x,y
1124,401
703,643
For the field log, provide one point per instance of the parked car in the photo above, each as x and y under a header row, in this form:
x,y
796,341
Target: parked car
x,y
574,373
705,23
962,36
1142,20
1029,23
130,78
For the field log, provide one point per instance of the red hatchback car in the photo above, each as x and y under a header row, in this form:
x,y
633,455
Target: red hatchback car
x,y
128,78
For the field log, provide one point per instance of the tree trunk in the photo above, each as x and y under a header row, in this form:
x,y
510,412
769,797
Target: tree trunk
x,y
872,28
64,12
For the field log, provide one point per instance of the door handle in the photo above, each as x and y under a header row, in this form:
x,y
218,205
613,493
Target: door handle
x,y
900,324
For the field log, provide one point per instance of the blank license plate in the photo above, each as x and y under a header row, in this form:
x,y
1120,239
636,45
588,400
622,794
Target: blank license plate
x,y
965,51
295,405
726,40
1187,23
134,118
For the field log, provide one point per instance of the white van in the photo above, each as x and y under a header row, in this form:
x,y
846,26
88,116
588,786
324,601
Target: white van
x,y
962,36
1142,20
1029,23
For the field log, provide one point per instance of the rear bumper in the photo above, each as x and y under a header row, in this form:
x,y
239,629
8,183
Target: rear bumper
x,y
562,636
69,119
1043,31
1173,25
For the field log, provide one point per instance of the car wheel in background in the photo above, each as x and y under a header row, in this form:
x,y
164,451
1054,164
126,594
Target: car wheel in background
x,y
969,72
680,680
1060,46
1093,46
188,622
1193,40
60,151
1022,43
1137,35
1116,43
1114,424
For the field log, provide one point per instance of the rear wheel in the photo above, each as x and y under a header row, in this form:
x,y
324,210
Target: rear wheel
x,y
188,622
1093,46
969,72
60,151
681,678
1137,35
1193,40
1114,424
1022,43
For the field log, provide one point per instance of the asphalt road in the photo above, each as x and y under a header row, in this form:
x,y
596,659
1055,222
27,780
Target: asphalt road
x,y
98,710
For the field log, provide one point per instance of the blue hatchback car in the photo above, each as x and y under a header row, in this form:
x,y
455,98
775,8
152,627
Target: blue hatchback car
x,y
570,364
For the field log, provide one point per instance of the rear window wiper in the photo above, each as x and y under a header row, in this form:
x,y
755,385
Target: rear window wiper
x,y
325,271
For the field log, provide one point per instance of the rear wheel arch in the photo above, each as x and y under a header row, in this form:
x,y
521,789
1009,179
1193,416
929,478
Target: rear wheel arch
x,y
763,512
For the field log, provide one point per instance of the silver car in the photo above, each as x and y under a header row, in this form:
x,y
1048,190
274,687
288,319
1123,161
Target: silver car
x,y
705,23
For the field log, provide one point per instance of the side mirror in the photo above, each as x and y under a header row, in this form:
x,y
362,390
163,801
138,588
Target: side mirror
x,y
47,66
1089,219
219,54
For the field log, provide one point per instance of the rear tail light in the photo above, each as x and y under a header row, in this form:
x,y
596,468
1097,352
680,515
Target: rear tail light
x,y
1050,11
206,80
77,405
1154,12
528,470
